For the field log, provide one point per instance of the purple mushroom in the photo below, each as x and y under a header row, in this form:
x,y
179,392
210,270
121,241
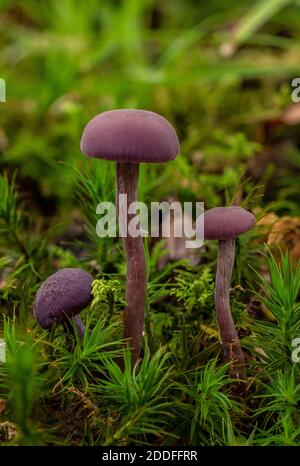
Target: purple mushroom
x,y
130,137
62,297
225,224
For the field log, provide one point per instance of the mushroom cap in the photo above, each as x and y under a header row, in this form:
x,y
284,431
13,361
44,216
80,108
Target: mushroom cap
x,y
224,223
130,136
62,295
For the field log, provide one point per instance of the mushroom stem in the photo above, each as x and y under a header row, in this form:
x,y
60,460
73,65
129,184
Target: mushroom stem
x,y
229,336
79,326
136,279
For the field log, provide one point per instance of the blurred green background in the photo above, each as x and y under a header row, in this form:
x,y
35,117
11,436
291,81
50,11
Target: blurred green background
x,y
221,72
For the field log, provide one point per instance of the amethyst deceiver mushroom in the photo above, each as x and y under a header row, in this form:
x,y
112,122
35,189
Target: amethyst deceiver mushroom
x,y
225,224
130,137
62,297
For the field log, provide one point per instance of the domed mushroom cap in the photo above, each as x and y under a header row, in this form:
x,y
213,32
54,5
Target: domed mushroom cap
x,y
130,136
62,295
224,223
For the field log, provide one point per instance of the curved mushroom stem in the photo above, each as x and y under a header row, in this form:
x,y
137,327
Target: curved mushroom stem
x,y
136,279
229,336
79,326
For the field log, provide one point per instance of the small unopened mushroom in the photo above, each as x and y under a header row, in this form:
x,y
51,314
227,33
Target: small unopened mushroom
x,y
62,297
130,137
225,224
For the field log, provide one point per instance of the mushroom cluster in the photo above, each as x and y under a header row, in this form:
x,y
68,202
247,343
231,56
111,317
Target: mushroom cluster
x,y
130,137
